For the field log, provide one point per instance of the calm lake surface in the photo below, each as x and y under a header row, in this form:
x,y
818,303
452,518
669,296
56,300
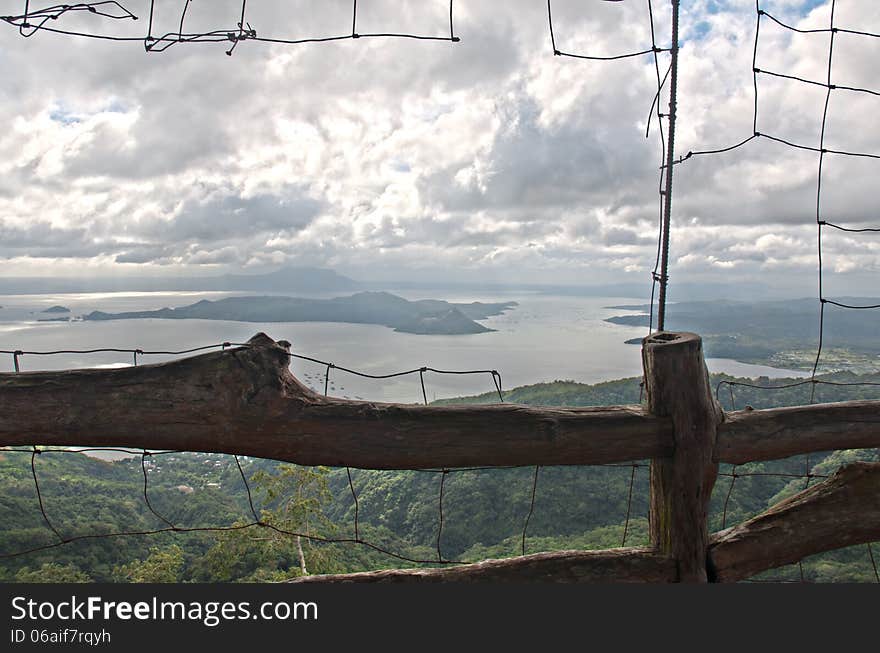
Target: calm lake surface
x,y
543,339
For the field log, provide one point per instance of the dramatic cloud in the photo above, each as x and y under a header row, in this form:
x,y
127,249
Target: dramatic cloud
x,y
409,158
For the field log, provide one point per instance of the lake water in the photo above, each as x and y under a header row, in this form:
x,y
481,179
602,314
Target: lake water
x,y
543,339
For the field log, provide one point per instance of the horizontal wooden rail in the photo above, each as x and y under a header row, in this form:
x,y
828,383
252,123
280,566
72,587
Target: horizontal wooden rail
x,y
842,511
750,435
633,565
245,401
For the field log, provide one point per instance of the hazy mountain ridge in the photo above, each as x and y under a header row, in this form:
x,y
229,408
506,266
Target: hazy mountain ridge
x,y
322,280
423,317
781,333
289,279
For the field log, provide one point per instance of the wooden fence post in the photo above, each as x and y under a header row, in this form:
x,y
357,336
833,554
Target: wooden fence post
x,y
677,386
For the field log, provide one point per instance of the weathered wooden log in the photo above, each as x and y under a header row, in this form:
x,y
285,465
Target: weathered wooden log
x,y
632,565
677,386
842,511
246,401
750,435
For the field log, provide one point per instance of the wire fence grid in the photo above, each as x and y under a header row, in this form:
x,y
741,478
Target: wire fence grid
x,y
33,21
822,149
659,273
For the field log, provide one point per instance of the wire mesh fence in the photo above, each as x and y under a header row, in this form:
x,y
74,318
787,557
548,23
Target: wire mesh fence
x,y
68,20
802,471
823,148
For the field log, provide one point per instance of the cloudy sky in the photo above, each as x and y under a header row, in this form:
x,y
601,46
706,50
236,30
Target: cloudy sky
x,y
394,158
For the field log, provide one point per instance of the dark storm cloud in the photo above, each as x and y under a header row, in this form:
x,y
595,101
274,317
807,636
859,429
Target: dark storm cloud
x,y
531,165
38,233
143,254
42,239
227,216
617,236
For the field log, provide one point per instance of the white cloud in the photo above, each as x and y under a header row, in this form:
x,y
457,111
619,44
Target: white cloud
x,y
380,154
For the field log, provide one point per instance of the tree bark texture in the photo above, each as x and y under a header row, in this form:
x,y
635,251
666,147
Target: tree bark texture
x,y
842,511
752,435
246,401
677,386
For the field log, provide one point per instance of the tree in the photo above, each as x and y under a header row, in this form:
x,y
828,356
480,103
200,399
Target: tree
x,y
51,572
163,565
293,500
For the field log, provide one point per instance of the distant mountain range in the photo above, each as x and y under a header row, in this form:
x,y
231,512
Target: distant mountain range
x,y
310,280
289,279
782,333
425,317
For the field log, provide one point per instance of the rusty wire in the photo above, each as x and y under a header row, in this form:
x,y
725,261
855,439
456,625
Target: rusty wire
x,y
31,22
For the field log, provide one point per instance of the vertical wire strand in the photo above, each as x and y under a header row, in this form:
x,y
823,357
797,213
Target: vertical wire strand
x,y
182,18
24,23
873,562
147,495
34,454
632,482
733,477
443,475
759,12
247,488
829,78
819,221
148,39
357,531
357,508
531,507
354,15
452,36
496,379
236,39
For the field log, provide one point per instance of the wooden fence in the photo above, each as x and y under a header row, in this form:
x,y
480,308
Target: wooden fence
x,y
245,401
